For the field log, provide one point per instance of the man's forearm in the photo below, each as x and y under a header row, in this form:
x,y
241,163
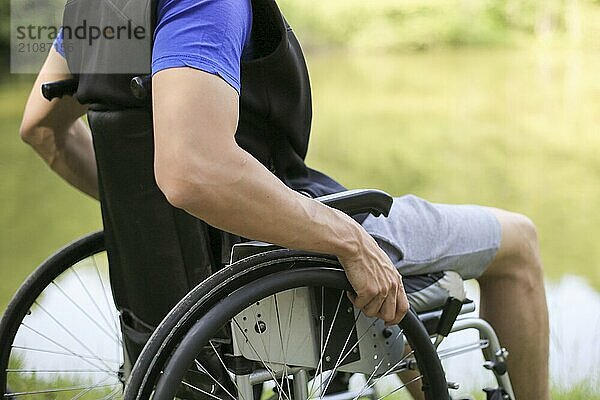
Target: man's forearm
x,y
239,195
76,161
69,153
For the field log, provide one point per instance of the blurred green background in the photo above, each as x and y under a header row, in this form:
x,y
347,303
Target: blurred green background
x,y
494,102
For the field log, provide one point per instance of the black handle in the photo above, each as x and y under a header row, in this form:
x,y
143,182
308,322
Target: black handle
x,y
56,90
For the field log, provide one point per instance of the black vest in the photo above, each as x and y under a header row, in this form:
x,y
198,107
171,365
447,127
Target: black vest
x,y
157,253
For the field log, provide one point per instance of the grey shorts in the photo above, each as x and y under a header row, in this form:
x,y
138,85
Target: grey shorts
x,y
422,237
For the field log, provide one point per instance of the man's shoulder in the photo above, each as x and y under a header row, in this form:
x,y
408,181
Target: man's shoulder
x,y
223,8
209,35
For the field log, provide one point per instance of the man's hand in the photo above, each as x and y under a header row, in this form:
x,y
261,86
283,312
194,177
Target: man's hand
x,y
377,283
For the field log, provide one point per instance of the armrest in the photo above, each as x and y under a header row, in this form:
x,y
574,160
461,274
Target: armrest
x,y
359,201
352,202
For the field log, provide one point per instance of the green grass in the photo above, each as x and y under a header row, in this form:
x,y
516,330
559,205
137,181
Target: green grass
x,y
580,392
19,383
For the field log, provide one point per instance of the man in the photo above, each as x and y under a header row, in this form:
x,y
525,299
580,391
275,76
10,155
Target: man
x,y
204,90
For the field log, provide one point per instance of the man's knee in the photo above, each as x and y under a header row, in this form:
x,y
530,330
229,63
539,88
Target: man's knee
x,y
526,235
519,248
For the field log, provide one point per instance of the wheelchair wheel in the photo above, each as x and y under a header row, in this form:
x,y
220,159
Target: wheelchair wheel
x,y
60,334
280,318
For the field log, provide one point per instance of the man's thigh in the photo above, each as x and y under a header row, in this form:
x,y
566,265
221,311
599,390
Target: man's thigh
x,y
422,237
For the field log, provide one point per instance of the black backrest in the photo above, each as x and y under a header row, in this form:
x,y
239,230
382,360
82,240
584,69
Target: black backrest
x,y
157,253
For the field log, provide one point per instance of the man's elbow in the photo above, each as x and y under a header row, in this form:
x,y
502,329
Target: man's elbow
x,y
191,176
37,136
176,191
180,185
27,132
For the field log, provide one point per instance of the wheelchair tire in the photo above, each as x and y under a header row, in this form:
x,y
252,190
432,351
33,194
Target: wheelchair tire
x,y
202,313
50,330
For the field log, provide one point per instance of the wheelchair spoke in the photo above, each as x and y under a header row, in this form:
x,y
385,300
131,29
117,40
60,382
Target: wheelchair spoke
x,y
67,331
359,338
401,387
108,306
318,371
290,325
113,393
86,391
284,350
60,353
269,370
224,366
368,385
102,315
341,358
57,371
322,348
85,312
83,358
386,373
56,390
322,319
107,302
204,370
279,385
200,390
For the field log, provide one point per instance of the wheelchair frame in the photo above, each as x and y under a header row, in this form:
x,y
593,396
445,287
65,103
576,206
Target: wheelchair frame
x,y
437,323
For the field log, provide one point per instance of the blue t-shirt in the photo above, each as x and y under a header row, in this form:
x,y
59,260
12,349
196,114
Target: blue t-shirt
x,y
209,35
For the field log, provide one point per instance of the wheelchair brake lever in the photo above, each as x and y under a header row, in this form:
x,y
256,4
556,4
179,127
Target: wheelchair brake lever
x,y
447,319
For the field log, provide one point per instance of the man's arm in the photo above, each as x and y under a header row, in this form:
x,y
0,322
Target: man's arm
x,y
202,170
56,131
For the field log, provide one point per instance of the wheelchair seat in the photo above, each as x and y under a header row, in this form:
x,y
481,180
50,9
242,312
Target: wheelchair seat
x,y
425,293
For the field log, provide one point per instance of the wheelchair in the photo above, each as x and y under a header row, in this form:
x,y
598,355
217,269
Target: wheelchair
x,y
273,323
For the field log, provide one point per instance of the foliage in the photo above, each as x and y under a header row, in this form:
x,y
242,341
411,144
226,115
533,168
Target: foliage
x,y
410,24
393,24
